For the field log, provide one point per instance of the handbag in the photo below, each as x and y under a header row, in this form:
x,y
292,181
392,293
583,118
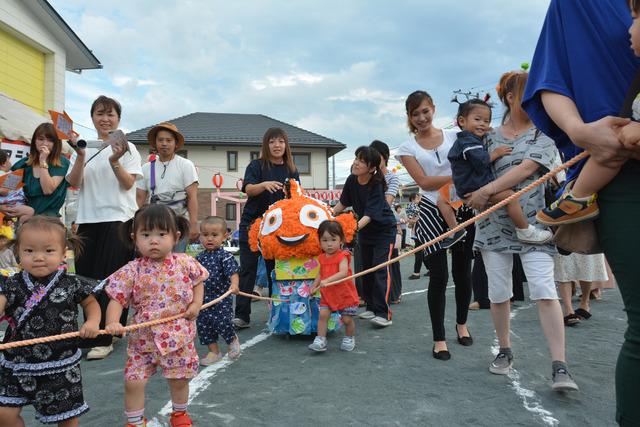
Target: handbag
x,y
176,200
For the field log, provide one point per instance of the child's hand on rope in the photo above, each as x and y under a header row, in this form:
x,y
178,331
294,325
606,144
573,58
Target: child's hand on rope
x,y
115,328
89,329
192,311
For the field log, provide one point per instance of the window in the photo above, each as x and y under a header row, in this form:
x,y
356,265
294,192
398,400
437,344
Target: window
x,y
230,211
232,161
254,155
302,162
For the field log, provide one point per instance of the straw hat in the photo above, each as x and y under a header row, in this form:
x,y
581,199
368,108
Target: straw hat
x,y
151,136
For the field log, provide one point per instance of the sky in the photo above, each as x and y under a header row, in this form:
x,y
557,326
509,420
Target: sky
x,y
341,69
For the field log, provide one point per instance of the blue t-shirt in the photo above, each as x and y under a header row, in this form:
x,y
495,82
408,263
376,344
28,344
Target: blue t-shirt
x,y
583,53
257,205
368,200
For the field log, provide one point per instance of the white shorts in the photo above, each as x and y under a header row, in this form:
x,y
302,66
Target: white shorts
x,y
538,267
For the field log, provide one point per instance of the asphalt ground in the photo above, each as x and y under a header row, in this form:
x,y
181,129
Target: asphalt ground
x,y
390,379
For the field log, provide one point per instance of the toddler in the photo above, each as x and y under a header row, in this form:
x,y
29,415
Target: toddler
x,y
223,275
43,300
471,166
158,284
335,264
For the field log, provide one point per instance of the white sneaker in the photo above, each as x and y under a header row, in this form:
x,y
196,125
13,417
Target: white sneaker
x,y
348,344
381,321
533,235
210,359
234,349
319,344
240,324
367,315
97,353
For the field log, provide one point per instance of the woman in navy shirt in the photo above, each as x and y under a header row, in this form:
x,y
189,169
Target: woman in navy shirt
x,y
364,192
263,182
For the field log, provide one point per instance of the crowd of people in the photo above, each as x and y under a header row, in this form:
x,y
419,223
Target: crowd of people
x,y
134,221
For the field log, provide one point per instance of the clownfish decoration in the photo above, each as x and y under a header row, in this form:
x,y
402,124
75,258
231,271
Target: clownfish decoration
x,y
289,227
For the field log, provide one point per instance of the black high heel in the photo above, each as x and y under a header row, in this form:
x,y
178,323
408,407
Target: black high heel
x,y
465,341
441,355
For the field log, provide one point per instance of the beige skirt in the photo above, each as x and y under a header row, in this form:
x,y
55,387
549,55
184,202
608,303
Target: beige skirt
x,y
578,267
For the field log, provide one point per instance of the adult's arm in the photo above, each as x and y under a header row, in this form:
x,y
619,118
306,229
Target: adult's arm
x,y
74,178
125,179
141,197
514,176
425,182
192,208
599,138
49,183
253,190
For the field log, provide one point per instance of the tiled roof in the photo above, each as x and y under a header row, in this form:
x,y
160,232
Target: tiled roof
x,y
237,129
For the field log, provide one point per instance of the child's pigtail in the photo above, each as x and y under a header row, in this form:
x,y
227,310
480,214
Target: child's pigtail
x,y
183,226
125,231
76,244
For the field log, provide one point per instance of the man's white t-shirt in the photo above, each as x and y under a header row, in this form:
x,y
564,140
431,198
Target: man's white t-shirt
x,y
101,198
433,162
179,174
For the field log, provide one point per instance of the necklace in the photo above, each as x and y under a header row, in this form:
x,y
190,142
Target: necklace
x,y
516,133
164,167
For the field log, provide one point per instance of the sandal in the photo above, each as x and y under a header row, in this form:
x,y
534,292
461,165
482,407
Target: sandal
x,y
584,314
571,319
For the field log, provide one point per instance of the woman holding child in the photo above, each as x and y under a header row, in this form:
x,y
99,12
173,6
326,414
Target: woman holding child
x,y
530,157
424,156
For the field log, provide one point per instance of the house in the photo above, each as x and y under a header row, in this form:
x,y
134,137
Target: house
x,y
36,48
226,143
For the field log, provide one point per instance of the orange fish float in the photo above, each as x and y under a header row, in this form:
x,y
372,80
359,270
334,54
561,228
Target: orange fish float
x,y
288,234
289,228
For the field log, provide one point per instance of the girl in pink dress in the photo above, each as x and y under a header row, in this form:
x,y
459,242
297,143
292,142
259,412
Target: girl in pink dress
x,y
335,264
158,284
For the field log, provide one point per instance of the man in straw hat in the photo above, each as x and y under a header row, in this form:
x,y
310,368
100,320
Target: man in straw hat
x,y
170,179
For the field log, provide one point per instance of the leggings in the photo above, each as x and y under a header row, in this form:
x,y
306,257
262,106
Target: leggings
x,y
461,256
248,272
618,232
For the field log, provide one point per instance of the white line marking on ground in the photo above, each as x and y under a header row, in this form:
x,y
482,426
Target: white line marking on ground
x,y
530,400
421,291
202,381
114,371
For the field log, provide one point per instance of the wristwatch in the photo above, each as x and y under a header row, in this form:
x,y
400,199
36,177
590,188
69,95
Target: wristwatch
x,y
44,165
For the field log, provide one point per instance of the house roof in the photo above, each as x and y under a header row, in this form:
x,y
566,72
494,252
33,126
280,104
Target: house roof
x,y
238,129
78,55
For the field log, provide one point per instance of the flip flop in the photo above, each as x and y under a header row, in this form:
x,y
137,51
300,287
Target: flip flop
x,y
571,319
583,313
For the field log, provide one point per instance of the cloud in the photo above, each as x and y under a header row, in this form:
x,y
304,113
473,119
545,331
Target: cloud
x,y
339,69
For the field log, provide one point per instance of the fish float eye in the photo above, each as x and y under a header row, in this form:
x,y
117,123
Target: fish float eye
x,y
272,221
312,216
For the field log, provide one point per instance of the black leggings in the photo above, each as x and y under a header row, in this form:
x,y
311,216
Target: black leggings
x,y
418,261
461,256
248,271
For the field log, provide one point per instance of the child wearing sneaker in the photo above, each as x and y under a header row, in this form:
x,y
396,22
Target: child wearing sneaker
x,y
471,166
223,275
335,264
158,284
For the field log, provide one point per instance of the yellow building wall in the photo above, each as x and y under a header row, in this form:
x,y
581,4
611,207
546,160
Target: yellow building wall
x,y
22,72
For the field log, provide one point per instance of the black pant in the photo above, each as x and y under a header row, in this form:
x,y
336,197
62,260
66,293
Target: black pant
x,y
403,244
248,271
461,255
518,277
480,282
103,253
418,261
377,285
396,278
357,268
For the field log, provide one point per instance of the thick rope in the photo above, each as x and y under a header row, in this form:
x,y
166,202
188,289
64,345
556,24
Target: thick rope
x,y
129,328
461,226
547,176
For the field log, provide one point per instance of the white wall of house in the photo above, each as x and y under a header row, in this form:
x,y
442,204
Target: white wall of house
x,y
17,20
210,161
